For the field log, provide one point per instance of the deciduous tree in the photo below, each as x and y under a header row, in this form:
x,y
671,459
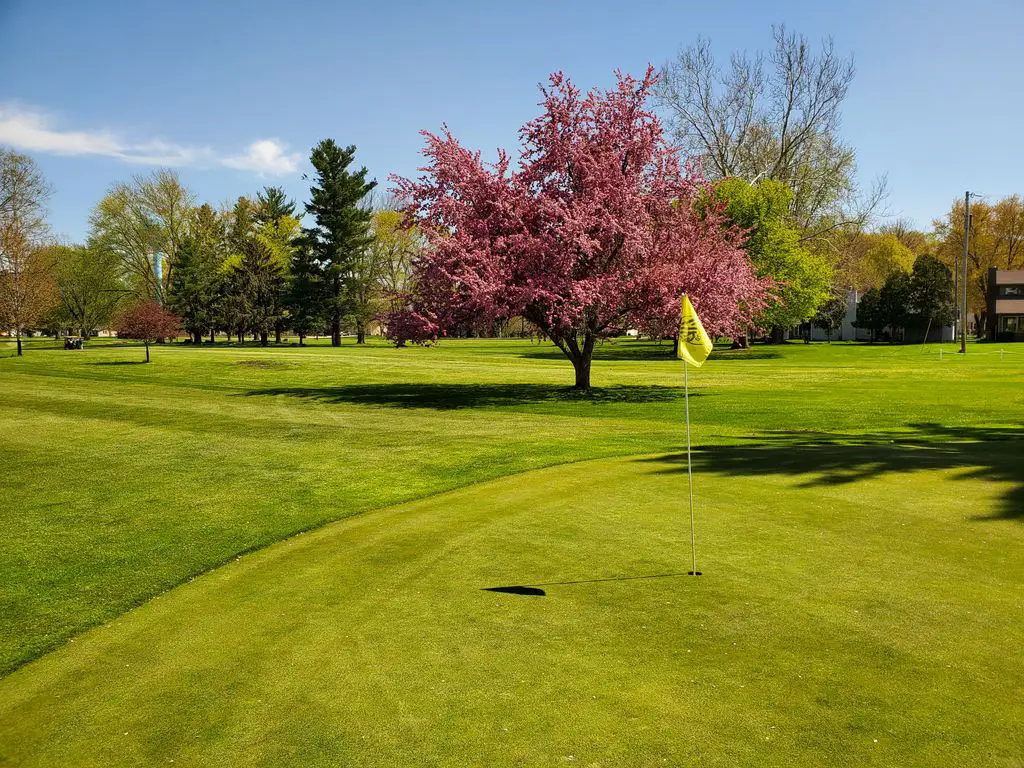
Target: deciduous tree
x,y
89,285
596,230
801,277
145,222
772,116
148,322
27,289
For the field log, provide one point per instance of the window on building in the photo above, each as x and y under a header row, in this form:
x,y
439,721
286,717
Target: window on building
x,y
1011,323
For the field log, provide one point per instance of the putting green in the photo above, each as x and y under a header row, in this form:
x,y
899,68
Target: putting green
x,y
837,623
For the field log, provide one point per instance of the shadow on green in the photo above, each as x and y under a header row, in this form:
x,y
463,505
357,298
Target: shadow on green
x,y
990,453
457,396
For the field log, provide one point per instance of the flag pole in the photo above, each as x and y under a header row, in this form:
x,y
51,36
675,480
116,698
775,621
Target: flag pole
x,y
689,468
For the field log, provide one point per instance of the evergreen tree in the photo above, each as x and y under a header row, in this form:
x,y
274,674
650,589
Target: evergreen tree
x,y
870,314
895,302
831,314
272,205
306,294
342,227
258,277
931,293
195,286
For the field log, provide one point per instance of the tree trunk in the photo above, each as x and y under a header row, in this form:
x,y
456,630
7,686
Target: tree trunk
x,y
582,374
741,342
336,314
211,335
302,339
264,338
197,337
277,334
360,335
778,335
147,350
581,359
17,332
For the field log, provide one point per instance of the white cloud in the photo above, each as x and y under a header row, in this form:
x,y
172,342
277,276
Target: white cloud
x,y
266,156
31,130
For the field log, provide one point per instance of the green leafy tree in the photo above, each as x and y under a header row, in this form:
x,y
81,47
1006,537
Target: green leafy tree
x,y
396,243
89,286
885,257
342,229
802,277
931,293
145,222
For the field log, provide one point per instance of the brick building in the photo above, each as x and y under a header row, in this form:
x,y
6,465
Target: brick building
x,y
1005,310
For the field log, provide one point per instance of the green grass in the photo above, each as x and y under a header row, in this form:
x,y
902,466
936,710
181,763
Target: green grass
x,y
861,518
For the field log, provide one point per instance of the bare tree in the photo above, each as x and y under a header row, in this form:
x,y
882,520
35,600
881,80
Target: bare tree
x,y
26,280
774,116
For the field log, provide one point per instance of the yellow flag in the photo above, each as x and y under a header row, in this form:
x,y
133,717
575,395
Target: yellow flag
x,y
694,343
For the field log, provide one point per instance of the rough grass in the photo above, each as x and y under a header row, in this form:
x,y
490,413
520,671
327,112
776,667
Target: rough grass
x,y
861,523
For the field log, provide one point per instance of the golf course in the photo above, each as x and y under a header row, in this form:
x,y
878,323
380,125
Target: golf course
x,y
360,556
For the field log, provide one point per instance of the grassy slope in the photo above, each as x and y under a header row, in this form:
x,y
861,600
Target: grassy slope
x,y
869,623
125,479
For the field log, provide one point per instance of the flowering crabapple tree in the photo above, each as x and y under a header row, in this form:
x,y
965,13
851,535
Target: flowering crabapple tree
x,y
148,322
596,230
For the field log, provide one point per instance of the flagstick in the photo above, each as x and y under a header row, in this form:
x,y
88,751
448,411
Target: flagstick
x,y
689,468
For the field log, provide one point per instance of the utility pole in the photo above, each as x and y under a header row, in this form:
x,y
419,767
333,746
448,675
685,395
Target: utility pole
x,y
963,280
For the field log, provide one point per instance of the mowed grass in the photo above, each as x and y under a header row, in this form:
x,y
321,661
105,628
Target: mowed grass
x,y
860,514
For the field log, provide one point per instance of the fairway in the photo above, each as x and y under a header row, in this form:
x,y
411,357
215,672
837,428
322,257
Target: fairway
x,y
860,527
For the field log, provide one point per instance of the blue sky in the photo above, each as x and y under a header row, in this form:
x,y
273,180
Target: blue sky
x,y
234,94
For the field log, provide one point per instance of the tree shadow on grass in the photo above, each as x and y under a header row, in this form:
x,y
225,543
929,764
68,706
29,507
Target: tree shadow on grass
x,y
118,362
457,396
989,453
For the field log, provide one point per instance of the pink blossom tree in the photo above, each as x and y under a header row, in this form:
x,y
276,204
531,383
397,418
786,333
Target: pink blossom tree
x,y
148,322
596,230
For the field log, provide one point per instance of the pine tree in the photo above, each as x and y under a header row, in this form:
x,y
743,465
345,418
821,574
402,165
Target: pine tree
x,y
342,225
306,295
195,285
272,205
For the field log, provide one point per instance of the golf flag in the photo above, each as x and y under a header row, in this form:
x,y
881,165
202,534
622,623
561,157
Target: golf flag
x,y
694,343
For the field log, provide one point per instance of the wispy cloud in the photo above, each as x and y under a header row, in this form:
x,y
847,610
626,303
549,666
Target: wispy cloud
x,y
32,130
